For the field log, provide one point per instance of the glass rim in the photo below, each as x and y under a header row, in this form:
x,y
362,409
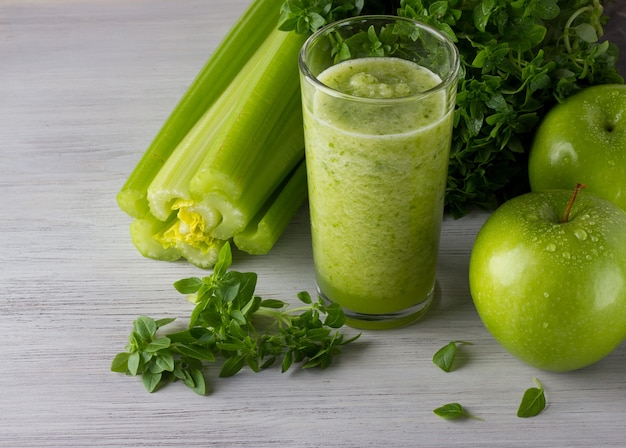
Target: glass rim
x,y
441,86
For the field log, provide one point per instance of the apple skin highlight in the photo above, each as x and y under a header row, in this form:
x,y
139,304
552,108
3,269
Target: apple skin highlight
x,y
553,294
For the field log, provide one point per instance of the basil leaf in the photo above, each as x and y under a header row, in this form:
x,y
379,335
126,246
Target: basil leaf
x,y
151,380
444,357
188,285
120,362
533,401
454,411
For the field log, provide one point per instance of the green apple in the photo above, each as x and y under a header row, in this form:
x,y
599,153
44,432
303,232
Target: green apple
x,y
583,140
552,289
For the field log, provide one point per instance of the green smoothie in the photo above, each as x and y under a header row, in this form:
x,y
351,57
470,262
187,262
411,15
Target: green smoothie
x,y
377,164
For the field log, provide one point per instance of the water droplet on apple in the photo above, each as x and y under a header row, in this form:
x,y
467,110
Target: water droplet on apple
x,y
588,257
584,217
551,247
566,255
546,294
580,234
545,325
594,238
532,217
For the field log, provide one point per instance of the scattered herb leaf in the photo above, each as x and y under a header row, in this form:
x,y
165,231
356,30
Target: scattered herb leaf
x,y
444,358
533,401
454,411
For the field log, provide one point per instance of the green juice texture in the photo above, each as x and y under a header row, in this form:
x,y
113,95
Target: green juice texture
x,y
377,172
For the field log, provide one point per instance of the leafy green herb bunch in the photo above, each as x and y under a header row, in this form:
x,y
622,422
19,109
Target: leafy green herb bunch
x,y
232,326
518,58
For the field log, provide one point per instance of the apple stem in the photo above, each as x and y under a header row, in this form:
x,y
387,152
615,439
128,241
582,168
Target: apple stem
x,y
570,204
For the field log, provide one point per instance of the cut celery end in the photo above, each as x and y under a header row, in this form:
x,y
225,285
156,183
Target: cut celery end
x,y
142,232
232,220
202,258
133,202
192,225
189,233
263,232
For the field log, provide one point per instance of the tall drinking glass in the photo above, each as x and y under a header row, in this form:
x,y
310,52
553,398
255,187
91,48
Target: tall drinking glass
x,y
378,96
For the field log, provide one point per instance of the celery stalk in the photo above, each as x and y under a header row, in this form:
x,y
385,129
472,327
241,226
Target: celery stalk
x,y
248,141
262,232
237,182
229,57
172,181
228,163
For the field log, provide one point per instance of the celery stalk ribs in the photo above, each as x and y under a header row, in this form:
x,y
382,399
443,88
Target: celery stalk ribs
x,y
228,163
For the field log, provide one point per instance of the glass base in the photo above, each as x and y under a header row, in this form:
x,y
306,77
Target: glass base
x,y
386,321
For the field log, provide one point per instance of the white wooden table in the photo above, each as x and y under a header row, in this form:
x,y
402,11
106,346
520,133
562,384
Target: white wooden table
x,y
84,86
